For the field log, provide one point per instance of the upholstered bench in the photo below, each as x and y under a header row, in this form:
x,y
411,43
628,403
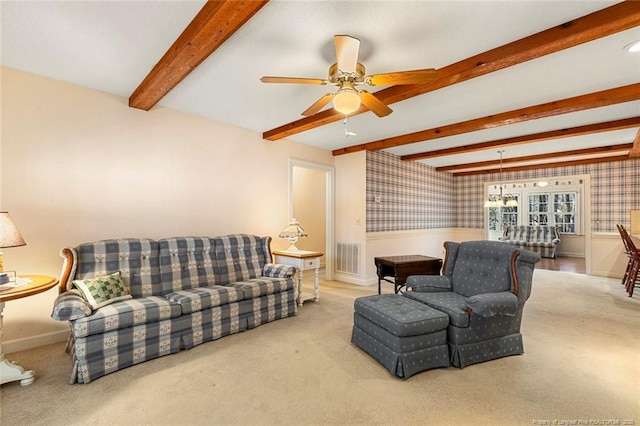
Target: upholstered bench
x,y
403,335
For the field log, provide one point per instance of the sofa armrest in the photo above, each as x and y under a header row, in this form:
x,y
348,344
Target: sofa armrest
x,y
492,304
428,283
70,305
276,270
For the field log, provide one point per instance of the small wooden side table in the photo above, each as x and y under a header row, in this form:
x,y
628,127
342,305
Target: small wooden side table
x,y
9,371
401,267
302,260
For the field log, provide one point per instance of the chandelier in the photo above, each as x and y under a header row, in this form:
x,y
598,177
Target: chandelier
x,y
499,200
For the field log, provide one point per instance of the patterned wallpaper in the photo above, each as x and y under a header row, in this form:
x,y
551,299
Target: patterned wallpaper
x,y
415,196
410,195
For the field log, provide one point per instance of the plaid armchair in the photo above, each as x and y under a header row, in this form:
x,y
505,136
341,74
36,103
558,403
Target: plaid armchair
x,y
483,289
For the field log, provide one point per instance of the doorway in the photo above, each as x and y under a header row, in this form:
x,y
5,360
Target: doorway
x,y
311,202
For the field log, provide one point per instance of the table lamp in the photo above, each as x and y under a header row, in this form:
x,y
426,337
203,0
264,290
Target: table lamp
x,y
9,235
292,232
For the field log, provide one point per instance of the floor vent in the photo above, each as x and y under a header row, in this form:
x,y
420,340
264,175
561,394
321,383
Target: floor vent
x,y
348,258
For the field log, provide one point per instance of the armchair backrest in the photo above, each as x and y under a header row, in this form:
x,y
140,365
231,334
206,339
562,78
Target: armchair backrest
x,y
477,267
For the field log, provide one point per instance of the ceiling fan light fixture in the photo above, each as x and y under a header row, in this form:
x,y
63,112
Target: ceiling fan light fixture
x,y
633,47
346,100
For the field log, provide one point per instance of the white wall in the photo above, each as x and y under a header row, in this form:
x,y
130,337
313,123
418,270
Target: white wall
x,y
427,242
80,165
351,208
607,258
309,207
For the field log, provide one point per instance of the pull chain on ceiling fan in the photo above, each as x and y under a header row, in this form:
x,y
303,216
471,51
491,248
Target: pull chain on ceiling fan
x,y
346,74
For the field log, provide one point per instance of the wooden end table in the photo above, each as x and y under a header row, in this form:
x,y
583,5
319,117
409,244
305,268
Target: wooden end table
x,y
9,371
302,260
401,267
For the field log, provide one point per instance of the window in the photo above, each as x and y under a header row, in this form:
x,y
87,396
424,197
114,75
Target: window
x,y
499,217
564,210
539,209
556,209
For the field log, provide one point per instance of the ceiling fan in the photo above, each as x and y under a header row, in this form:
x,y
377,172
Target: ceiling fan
x,y
347,73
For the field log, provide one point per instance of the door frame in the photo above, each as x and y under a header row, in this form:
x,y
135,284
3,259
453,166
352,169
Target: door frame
x,y
329,205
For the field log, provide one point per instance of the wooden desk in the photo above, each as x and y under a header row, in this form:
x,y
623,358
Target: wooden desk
x,y
401,267
302,260
9,371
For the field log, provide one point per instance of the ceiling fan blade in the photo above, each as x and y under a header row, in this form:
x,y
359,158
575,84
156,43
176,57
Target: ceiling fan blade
x,y
346,52
402,77
374,104
318,105
294,80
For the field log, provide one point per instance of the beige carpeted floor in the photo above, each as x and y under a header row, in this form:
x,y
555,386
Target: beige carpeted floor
x,y
581,364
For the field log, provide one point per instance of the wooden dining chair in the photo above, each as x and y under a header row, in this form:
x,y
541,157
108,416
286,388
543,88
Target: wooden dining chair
x,y
632,272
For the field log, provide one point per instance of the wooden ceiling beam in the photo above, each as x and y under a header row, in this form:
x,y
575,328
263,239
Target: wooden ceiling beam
x,y
607,126
542,166
602,23
635,151
495,164
212,26
549,109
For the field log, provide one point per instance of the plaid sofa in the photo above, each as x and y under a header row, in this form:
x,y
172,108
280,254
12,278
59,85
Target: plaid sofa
x,y
185,291
540,239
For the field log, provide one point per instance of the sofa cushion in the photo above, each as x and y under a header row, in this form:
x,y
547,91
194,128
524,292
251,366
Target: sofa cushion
x,y
187,262
453,304
240,257
101,291
126,313
482,267
263,286
400,316
197,299
135,258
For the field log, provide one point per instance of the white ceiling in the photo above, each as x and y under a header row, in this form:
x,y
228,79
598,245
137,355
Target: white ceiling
x,y
111,46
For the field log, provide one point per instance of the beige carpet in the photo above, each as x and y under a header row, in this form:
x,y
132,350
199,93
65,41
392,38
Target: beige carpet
x,y
581,363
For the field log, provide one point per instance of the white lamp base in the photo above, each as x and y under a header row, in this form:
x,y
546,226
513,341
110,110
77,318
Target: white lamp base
x,y
293,247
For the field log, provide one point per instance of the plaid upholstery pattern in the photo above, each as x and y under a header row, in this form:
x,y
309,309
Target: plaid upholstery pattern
x,y
263,286
187,262
124,314
540,239
211,324
136,259
240,257
178,302
278,271
100,354
70,305
272,307
198,299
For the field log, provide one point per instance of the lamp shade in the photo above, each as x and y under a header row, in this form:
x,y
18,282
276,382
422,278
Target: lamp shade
x,y
9,234
346,101
292,232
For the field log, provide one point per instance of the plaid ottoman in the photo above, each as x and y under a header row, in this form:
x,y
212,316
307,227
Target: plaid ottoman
x,y
403,335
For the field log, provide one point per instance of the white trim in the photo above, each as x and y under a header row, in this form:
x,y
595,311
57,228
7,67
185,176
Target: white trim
x,y
31,342
404,234
330,200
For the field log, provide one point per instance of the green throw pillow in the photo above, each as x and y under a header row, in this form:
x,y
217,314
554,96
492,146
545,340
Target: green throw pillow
x,y
101,291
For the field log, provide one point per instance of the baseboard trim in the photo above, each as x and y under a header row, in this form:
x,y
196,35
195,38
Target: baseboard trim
x,y
351,279
31,342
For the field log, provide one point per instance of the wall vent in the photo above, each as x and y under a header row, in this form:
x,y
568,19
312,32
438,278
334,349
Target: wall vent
x,y
348,258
